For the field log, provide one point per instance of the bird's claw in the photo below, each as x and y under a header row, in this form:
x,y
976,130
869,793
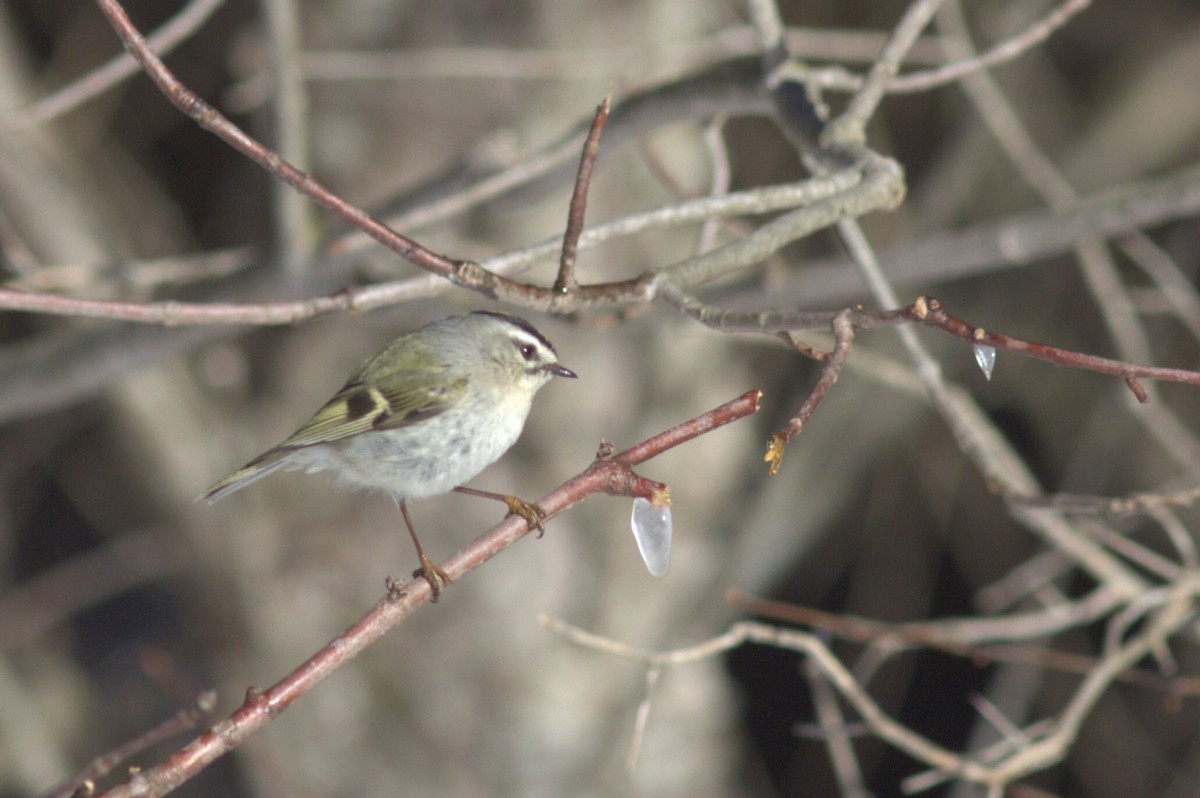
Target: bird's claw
x,y
531,512
435,575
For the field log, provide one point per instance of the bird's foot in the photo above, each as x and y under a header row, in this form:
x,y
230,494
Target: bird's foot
x,y
532,513
435,575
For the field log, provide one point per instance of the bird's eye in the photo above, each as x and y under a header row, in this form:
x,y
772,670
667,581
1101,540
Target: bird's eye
x,y
527,351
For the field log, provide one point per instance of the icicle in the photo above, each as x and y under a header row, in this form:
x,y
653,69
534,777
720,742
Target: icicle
x,y
652,530
985,356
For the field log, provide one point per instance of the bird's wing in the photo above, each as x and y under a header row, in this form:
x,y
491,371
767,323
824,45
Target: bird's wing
x,y
394,402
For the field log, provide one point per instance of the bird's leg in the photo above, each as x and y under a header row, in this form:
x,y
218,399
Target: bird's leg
x,y
532,513
434,575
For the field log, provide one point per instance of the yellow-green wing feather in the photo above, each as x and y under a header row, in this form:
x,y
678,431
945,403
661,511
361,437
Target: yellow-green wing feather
x,y
358,408
396,400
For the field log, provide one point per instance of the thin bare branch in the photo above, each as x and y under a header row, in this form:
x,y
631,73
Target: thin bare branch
x,y
172,33
1041,751
930,312
84,782
213,121
843,334
565,282
850,126
1004,51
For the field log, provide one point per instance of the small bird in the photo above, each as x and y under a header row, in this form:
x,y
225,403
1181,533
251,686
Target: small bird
x,y
423,416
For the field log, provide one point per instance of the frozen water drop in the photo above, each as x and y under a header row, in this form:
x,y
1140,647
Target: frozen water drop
x,y
985,356
651,527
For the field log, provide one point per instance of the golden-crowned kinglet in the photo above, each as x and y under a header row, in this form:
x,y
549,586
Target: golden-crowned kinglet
x,y
423,416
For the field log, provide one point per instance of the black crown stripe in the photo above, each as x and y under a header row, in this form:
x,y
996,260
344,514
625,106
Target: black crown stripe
x,y
519,323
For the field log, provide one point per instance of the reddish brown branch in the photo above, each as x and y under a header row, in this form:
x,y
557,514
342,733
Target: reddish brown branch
x,y
612,475
741,407
566,282
929,311
843,331
213,121
467,274
925,310
83,783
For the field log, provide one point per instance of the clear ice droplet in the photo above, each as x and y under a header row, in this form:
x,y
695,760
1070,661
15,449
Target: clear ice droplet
x,y
651,527
985,356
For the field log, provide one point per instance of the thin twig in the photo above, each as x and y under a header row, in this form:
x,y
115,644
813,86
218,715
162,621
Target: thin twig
x,y
1117,506
369,297
1041,752
565,283
835,734
920,782
1017,240
1002,52
967,637
466,274
583,63
213,121
187,718
843,333
850,125
930,312
722,178
172,33
643,715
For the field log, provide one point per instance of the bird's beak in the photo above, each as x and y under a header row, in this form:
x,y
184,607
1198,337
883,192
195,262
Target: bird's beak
x,y
561,371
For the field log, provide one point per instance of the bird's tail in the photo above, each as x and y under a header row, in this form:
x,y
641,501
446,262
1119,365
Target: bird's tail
x,y
250,473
